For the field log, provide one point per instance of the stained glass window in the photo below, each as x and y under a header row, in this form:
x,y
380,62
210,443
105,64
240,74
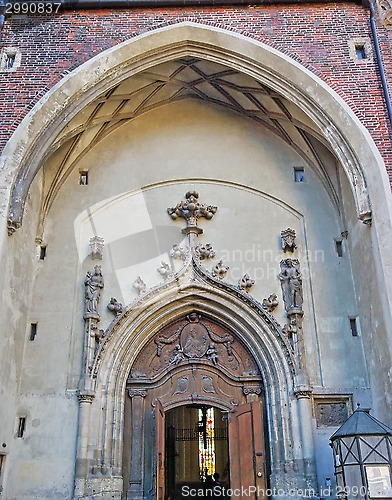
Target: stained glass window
x,y
206,442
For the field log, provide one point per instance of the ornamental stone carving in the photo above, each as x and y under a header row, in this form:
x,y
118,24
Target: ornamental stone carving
x,y
141,393
165,270
178,252
96,247
93,285
207,384
115,307
204,251
194,339
288,240
219,271
291,281
331,414
139,285
251,390
246,283
385,7
271,303
192,210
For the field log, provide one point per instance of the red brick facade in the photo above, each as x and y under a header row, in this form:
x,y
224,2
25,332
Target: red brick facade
x,y
315,35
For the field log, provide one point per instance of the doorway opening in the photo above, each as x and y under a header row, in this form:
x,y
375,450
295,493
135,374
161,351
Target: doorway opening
x,y
196,449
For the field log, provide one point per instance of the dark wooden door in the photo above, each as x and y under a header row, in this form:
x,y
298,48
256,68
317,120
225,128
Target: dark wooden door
x,y
247,450
160,437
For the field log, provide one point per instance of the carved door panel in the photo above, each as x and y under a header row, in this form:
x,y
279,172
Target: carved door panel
x,y
160,450
247,449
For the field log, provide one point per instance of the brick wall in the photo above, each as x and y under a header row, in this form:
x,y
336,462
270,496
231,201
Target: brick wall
x,y
316,35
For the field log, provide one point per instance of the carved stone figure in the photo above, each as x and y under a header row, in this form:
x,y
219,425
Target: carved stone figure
x,y
291,281
246,283
114,306
288,240
96,246
220,270
212,354
178,252
93,285
165,270
191,210
204,251
271,303
139,285
195,340
178,355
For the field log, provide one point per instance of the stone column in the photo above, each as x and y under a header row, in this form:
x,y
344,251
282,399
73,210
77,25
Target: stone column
x,y
135,488
82,467
305,417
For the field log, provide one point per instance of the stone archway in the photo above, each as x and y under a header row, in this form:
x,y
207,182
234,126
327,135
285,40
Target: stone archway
x,y
193,362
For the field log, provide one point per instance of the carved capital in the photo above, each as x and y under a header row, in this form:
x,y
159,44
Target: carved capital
x,y
85,396
141,393
251,390
303,393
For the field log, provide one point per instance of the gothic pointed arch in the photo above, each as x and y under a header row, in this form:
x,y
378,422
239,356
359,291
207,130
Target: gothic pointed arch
x,y
333,121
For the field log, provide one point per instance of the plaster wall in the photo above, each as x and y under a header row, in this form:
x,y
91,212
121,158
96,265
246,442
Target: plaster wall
x,y
134,175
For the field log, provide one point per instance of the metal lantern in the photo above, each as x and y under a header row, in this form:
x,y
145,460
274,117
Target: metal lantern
x,y
362,449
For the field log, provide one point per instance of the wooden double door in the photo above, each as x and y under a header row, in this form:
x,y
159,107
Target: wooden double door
x,y
247,474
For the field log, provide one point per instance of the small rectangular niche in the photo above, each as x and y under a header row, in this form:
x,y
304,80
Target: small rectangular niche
x,y
339,248
33,331
21,427
299,174
10,59
42,252
360,51
354,326
83,177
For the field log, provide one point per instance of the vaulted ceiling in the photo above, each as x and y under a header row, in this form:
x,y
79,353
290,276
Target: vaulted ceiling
x,y
183,79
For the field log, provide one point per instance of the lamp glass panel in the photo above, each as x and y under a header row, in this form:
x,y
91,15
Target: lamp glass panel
x,y
379,481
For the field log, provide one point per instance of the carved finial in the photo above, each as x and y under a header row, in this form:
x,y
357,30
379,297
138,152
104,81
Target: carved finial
x,y
178,252
220,270
288,240
246,283
191,210
139,285
96,246
114,306
204,251
271,303
165,270
291,281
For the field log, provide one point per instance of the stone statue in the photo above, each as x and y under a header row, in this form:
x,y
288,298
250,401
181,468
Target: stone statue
x,y
271,303
291,281
93,286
